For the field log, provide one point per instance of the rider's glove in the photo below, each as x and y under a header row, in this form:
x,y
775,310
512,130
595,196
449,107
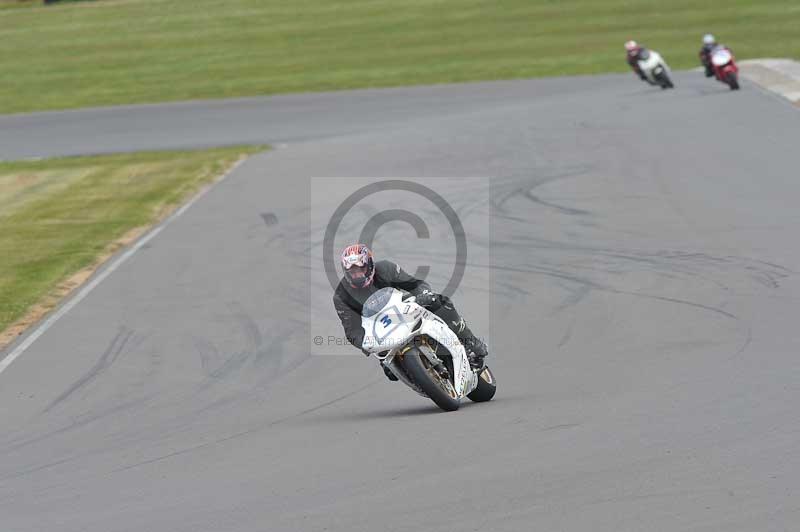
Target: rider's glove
x,y
426,298
367,343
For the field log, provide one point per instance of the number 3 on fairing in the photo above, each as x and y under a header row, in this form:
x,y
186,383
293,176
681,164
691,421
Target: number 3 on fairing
x,y
386,320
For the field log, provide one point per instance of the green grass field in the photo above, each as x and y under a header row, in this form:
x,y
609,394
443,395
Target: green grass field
x,y
58,216
127,51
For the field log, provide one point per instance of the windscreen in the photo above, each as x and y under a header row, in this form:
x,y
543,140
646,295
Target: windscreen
x,y
721,57
376,302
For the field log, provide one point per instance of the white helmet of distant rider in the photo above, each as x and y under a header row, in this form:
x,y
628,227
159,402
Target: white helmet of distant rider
x,y
709,39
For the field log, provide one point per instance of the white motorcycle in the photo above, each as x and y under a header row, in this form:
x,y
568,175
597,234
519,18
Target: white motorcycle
x,y
420,349
655,69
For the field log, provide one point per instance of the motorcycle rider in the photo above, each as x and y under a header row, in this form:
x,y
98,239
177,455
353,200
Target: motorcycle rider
x,y
709,43
362,276
633,52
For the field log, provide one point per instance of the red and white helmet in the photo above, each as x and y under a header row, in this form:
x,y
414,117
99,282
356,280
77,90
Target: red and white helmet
x,y
358,266
631,46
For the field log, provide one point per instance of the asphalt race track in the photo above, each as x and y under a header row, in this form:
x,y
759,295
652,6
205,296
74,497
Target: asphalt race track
x,y
644,297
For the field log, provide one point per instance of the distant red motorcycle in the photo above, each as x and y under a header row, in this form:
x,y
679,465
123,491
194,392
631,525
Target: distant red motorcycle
x,y
724,65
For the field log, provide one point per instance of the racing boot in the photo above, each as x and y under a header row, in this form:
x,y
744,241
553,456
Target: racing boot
x,y
476,351
474,346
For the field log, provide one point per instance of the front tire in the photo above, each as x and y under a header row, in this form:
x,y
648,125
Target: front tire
x,y
733,81
426,377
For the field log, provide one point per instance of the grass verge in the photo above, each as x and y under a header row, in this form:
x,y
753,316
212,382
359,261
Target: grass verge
x,y
60,218
129,51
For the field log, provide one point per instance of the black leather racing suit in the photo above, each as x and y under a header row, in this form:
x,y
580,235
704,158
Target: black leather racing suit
x,y
705,58
633,61
349,301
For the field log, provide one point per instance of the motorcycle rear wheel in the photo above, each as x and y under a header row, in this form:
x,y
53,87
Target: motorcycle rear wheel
x,y
428,379
486,388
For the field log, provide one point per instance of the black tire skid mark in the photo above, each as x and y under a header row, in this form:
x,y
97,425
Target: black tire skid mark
x,y
106,360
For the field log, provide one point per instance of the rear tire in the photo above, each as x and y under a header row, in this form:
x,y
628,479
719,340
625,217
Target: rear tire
x,y
418,368
733,82
486,388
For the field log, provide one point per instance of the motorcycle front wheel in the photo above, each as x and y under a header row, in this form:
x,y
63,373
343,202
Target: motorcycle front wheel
x,y
439,389
733,82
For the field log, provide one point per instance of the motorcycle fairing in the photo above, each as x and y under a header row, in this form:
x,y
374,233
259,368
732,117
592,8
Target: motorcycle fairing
x,y
391,329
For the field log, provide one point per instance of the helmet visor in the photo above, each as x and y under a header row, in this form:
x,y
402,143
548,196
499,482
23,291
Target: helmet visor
x,y
356,273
